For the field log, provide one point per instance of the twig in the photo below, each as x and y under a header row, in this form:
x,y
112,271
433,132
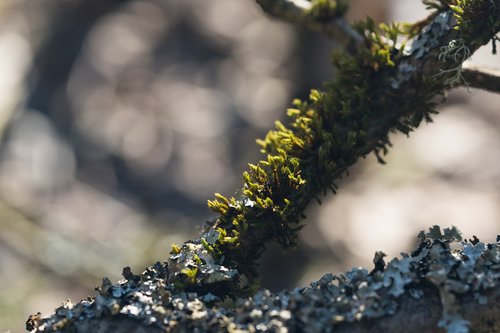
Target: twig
x,y
482,78
296,11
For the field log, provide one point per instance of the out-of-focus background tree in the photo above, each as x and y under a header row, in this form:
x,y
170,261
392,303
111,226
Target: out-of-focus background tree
x,y
120,118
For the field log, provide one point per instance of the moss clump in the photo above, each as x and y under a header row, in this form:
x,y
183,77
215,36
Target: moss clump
x,y
324,135
380,87
477,20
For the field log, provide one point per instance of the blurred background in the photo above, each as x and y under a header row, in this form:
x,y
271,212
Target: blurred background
x,y
120,118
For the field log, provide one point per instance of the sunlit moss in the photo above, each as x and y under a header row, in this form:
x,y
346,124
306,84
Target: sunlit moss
x,y
328,9
377,90
190,275
176,249
323,136
477,20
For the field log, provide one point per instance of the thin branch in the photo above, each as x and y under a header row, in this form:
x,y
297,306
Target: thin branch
x,y
482,78
296,11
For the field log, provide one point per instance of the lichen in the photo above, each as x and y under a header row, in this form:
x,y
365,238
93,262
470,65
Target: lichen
x,y
442,259
429,36
476,21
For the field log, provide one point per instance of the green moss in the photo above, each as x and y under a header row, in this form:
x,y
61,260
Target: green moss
x,y
377,90
438,4
327,9
189,275
477,20
176,249
323,137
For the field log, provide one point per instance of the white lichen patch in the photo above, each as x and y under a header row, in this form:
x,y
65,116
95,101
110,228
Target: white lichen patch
x,y
430,36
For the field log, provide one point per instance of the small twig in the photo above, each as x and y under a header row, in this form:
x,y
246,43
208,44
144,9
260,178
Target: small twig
x,y
482,78
296,11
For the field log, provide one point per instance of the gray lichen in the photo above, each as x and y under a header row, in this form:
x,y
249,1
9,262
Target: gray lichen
x,y
442,260
197,266
431,35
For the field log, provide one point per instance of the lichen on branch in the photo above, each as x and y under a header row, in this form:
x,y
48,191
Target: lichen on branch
x,y
442,269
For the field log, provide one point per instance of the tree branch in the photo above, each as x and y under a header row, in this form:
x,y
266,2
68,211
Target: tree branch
x,y
415,293
482,78
298,12
378,89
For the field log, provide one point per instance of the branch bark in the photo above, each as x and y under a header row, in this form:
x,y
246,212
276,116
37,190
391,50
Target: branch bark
x,y
296,11
482,78
413,316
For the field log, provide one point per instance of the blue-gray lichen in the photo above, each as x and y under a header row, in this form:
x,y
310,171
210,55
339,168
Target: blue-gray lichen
x,y
431,35
196,265
442,260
